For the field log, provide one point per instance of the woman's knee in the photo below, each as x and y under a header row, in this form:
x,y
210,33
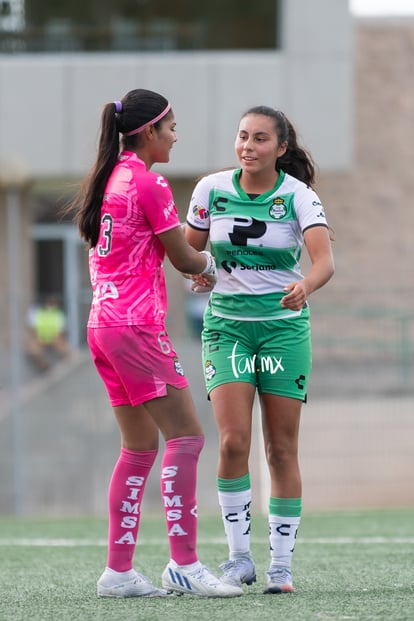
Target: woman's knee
x,y
281,454
234,445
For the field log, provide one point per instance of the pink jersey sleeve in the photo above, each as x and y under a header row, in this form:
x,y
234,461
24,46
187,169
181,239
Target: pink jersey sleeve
x,y
157,203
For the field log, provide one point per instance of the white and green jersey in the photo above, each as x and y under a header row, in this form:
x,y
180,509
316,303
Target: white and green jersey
x,y
257,243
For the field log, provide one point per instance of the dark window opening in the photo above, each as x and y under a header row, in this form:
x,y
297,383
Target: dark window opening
x,y
137,25
49,269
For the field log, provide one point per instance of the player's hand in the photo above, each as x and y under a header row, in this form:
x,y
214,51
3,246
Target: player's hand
x,y
296,296
203,283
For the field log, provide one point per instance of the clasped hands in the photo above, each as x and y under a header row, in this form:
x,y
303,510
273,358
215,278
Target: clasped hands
x,y
202,283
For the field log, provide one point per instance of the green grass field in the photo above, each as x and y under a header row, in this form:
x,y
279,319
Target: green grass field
x,y
350,566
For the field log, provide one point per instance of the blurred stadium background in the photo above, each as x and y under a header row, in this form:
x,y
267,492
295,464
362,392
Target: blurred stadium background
x,y
347,85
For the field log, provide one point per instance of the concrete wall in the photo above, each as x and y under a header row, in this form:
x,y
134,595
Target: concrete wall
x,y
50,104
371,206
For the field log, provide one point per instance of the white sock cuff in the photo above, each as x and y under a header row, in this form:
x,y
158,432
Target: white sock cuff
x,y
284,519
235,499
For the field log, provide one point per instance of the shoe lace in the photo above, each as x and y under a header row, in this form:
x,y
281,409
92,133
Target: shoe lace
x,y
232,567
205,575
141,578
281,575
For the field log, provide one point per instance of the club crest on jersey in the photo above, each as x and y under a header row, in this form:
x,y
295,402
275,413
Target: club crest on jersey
x,y
278,208
209,370
178,367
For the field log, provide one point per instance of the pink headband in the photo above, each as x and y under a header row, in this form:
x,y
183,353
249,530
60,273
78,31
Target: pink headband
x,y
157,118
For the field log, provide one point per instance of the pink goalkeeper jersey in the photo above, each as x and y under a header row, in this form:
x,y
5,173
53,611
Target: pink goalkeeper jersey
x,y
126,264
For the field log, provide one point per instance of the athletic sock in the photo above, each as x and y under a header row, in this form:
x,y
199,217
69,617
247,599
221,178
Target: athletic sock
x,y
125,494
235,496
284,520
178,491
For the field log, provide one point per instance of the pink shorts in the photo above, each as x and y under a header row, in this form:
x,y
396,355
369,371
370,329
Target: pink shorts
x,y
135,362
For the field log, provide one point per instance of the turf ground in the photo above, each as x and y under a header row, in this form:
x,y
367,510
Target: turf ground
x,y
347,566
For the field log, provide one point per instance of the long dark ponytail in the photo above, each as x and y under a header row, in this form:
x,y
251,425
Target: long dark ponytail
x,y
136,109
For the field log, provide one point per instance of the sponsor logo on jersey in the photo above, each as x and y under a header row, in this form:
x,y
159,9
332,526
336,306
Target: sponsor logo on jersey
x,y
259,268
321,214
105,291
228,266
201,213
169,208
161,181
249,252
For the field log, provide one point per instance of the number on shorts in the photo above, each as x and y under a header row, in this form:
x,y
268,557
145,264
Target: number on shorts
x,y
214,338
164,343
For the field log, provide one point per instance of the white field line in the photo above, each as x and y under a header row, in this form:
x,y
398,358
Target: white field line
x,y
72,543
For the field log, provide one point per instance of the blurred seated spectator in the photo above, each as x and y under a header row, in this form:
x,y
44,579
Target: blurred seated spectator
x,y
47,334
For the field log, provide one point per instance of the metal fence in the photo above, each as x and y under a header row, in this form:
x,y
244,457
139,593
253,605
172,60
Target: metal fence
x,y
366,340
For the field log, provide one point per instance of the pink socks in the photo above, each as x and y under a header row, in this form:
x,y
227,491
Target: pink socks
x,y
124,498
178,491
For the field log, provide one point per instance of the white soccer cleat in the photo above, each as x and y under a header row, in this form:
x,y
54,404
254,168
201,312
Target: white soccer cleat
x,y
198,581
127,584
279,580
238,571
